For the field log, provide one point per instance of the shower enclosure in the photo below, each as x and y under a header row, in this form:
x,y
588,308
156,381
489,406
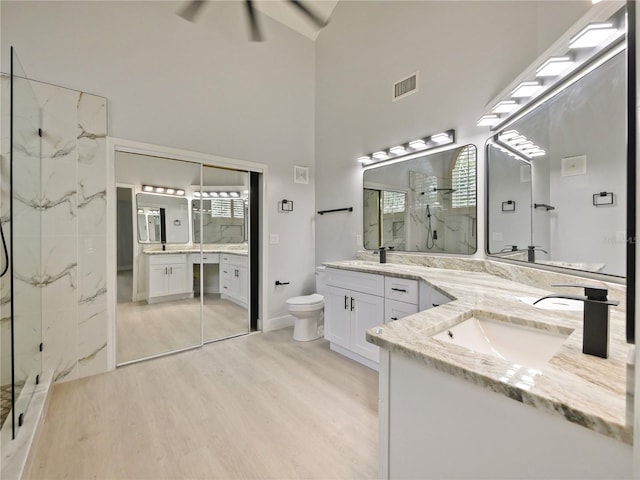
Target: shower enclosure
x,y
21,302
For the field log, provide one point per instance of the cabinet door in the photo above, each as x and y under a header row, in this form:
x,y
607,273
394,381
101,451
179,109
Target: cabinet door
x,y
242,284
158,280
177,279
368,312
337,316
394,310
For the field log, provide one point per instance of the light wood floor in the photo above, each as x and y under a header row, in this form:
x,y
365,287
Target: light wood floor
x,y
256,406
144,330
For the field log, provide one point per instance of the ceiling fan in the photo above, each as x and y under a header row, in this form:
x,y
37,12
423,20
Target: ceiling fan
x,y
193,7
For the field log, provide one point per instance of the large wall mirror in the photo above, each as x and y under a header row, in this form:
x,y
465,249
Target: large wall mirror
x,y
567,206
425,204
150,222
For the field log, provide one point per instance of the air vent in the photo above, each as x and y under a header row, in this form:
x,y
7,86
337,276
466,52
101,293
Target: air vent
x,y
405,87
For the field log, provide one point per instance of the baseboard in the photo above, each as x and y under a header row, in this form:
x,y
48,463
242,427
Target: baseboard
x,y
17,455
278,323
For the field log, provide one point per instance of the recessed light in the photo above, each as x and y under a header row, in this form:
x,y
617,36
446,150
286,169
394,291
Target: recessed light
x,y
440,138
399,150
526,90
488,120
592,35
505,106
554,66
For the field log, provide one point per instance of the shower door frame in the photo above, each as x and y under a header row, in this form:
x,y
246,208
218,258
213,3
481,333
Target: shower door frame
x,y
130,146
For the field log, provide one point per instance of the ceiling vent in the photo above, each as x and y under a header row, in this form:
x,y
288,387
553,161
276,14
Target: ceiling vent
x,y
405,87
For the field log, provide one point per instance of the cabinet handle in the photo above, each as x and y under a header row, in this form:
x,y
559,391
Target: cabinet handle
x,y
166,270
394,318
398,289
436,304
346,302
170,270
352,306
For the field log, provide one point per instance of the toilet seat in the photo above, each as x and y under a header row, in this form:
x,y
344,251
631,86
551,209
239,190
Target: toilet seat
x,y
305,303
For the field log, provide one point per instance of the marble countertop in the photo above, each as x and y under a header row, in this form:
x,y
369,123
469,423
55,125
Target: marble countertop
x,y
583,389
236,249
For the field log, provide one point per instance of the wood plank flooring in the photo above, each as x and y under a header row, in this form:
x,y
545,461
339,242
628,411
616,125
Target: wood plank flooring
x,y
254,407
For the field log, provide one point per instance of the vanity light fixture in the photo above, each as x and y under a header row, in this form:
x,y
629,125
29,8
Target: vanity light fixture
x,y
505,106
234,194
410,149
488,120
196,194
440,138
554,67
210,194
592,35
223,194
164,190
418,145
526,89
509,134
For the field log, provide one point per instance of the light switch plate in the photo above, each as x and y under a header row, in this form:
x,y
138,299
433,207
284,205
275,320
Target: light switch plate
x,y
274,239
574,166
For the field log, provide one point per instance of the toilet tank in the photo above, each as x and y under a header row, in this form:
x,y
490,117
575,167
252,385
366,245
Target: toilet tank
x,y
321,286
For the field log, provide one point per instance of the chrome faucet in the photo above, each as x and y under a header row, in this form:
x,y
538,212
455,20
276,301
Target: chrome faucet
x,y
595,320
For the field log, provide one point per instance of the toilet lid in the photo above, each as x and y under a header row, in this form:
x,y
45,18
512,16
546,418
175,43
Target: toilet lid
x,y
306,299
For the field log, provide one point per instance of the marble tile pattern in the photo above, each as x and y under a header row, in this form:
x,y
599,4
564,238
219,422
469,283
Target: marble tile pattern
x,y
66,257
582,389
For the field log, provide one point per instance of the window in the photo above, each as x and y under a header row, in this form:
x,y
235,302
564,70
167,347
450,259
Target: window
x,y
393,202
227,208
463,179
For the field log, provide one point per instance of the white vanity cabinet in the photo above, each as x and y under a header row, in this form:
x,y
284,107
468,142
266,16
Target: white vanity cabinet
x,y
234,275
167,277
354,303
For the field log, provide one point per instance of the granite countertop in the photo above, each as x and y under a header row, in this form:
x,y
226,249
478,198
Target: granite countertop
x,y
236,249
583,389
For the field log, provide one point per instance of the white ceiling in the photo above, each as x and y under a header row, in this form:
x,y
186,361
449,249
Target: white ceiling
x,y
289,15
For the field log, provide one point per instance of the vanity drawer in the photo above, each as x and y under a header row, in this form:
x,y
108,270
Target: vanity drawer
x,y
205,257
401,289
237,260
356,281
167,258
394,310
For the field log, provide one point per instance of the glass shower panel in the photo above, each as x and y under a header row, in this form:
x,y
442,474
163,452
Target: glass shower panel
x,y
26,294
221,225
158,310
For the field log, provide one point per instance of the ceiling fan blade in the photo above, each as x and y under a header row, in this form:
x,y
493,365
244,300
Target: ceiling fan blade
x,y
253,22
191,10
312,15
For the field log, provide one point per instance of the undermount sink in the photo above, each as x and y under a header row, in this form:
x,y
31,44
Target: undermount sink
x,y
518,344
566,304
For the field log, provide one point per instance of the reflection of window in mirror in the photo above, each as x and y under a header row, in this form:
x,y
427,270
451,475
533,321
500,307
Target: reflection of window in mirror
x,y
463,179
142,226
393,219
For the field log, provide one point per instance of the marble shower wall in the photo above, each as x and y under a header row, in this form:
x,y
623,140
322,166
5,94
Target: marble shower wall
x,y
71,199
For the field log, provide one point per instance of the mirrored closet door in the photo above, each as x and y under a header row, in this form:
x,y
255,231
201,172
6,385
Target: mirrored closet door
x,y
182,255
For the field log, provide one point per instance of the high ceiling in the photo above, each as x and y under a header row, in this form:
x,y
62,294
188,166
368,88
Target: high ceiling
x,y
290,16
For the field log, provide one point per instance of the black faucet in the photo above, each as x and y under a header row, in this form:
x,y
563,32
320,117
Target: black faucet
x,y
383,254
595,320
531,252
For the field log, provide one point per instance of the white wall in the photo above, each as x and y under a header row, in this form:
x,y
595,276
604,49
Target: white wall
x,y
466,53
200,87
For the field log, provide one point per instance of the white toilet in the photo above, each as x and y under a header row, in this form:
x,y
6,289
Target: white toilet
x,y
308,310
